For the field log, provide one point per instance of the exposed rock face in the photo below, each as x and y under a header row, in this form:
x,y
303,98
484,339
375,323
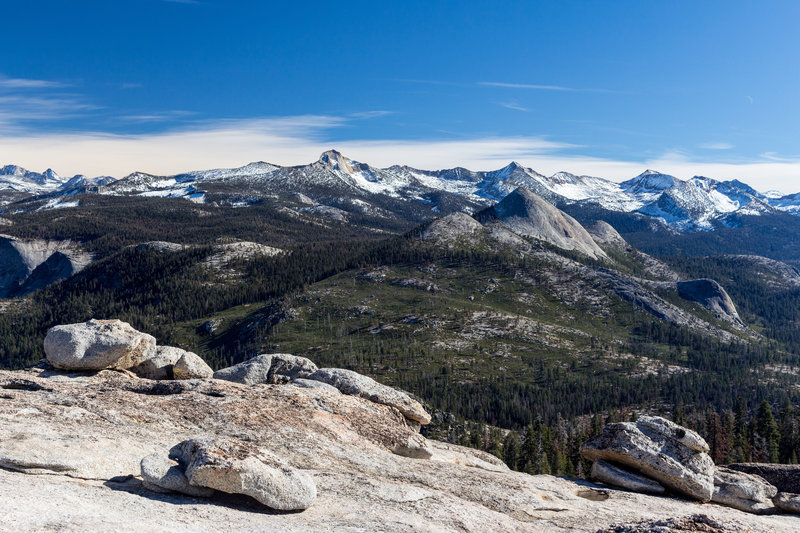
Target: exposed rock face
x,y
355,384
786,478
28,265
619,477
238,468
268,368
160,473
161,246
746,492
97,344
672,455
453,228
788,502
97,428
528,214
604,233
710,295
191,366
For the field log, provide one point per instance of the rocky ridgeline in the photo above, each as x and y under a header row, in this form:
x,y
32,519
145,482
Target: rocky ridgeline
x,y
654,456
114,433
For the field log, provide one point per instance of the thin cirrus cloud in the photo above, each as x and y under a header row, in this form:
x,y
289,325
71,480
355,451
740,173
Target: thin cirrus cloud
x,y
717,146
25,83
513,105
537,87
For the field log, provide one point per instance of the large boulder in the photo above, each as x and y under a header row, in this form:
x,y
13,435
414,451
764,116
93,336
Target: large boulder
x,y
619,477
191,366
786,478
286,367
672,455
250,372
97,344
746,492
268,368
162,474
355,384
240,468
787,502
160,365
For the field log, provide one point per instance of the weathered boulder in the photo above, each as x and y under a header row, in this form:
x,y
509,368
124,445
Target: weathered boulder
x,y
787,502
268,368
356,384
160,364
250,372
415,447
161,473
313,384
191,366
619,477
660,450
746,492
239,468
786,478
286,367
97,344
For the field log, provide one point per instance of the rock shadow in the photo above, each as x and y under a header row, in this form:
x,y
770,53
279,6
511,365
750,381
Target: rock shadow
x,y
238,502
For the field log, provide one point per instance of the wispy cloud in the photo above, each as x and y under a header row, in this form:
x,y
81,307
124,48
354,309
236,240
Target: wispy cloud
x,y
131,85
526,86
513,105
161,116
25,83
366,115
749,99
19,108
717,146
538,87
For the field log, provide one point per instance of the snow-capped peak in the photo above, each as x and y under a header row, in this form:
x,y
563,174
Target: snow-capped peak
x,y
650,181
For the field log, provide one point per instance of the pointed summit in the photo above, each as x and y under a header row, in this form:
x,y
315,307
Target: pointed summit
x,y
336,161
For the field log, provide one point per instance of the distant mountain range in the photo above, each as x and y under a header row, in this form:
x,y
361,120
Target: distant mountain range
x,y
335,184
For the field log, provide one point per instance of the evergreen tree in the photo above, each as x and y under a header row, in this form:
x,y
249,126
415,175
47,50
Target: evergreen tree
x,y
767,429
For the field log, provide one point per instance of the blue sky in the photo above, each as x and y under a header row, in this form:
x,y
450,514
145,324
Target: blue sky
x,y
602,88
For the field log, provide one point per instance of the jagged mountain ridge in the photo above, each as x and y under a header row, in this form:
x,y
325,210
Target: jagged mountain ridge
x,y
342,183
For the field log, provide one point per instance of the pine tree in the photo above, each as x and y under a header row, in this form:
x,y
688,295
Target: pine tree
x,y
767,429
788,431
511,450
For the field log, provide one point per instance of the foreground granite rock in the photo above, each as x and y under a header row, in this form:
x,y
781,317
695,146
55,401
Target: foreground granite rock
x,y
162,474
236,467
786,478
268,368
619,477
353,383
190,366
746,492
160,364
788,502
77,441
97,344
670,454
